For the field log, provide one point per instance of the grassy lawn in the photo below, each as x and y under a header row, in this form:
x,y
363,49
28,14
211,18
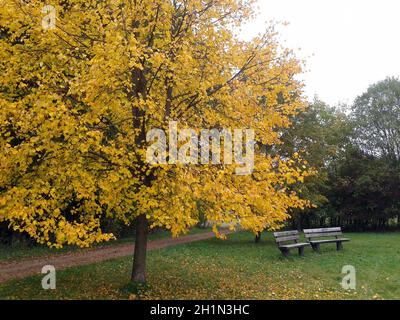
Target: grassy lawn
x,y
234,269
21,251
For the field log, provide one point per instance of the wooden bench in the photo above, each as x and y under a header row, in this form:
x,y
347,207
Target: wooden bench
x,y
284,239
314,237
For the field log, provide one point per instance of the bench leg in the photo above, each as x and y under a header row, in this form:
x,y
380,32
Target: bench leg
x,y
339,246
301,251
285,252
316,247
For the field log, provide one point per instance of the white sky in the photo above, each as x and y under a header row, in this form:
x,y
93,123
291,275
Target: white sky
x,y
348,44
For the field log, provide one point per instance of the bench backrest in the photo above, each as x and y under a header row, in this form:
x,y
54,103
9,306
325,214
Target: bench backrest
x,y
286,236
324,232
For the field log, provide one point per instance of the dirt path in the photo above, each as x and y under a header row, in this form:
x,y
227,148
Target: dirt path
x,y
27,267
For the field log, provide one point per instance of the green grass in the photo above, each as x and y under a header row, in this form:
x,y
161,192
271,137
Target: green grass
x,y
234,269
22,250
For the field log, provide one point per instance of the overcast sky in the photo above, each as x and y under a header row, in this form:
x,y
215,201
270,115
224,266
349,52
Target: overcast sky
x,y
349,44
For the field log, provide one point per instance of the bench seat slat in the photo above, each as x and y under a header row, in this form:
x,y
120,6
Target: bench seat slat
x,y
330,240
295,245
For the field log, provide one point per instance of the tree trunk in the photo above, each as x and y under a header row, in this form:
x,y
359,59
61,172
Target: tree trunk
x,y
299,223
258,237
139,259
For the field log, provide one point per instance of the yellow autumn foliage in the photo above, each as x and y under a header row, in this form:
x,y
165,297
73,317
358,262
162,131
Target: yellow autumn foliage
x,y
76,102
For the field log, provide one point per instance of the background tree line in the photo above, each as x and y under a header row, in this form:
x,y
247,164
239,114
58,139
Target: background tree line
x,y
356,150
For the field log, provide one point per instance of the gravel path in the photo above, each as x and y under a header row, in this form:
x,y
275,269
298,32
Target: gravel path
x,y
27,267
